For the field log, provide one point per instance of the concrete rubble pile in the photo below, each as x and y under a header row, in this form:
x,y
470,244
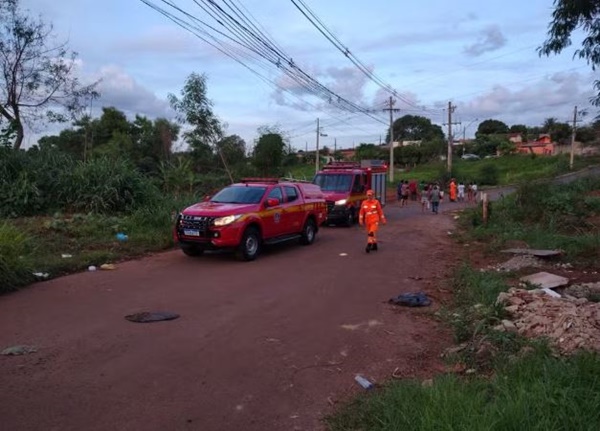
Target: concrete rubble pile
x,y
569,323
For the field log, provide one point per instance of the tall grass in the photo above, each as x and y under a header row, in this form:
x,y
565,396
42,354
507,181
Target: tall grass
x,y
537,392
45,181
15,266
548,216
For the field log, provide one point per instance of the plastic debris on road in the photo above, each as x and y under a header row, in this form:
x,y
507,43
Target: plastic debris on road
x,y
41,275
92,268
418,299
149,317
18,350
363,382
108,267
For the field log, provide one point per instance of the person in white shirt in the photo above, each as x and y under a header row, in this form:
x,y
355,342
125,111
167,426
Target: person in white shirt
x,y
461,192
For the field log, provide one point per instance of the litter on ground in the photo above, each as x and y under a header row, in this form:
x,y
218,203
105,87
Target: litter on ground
x,y
533,252
154,316
108,266
545,279
418,299
19,350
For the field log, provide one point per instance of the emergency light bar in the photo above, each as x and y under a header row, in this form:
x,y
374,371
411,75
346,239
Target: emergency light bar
x,y
259,180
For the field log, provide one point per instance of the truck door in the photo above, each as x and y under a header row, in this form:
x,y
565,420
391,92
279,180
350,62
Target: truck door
x,y
293,211
272,216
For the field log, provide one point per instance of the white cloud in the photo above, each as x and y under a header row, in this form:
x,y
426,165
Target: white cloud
x,y
119,89
490,39
347,82
552,96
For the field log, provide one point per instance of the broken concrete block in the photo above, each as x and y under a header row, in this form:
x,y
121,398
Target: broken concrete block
x,y
545,280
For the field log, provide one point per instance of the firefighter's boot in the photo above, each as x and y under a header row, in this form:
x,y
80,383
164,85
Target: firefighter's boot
x,y
368,248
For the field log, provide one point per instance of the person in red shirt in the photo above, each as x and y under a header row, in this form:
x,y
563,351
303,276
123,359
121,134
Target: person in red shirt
x,y
371,214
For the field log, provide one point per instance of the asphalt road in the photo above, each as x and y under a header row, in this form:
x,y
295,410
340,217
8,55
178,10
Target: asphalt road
x,y
267,345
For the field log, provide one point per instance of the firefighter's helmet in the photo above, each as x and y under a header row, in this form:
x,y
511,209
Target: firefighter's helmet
x,y
370,193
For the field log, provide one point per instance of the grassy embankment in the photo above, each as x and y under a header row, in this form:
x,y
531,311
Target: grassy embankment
x,y
521,385
52,205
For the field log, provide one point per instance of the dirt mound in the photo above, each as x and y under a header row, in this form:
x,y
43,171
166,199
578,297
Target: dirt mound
x,y
570,324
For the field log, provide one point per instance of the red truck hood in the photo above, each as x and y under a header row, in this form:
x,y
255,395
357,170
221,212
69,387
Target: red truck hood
x,y
336,196
213,209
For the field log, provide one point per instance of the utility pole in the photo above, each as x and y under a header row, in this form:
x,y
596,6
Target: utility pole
x,y
391,109
317,152
450,137
573,133
334,148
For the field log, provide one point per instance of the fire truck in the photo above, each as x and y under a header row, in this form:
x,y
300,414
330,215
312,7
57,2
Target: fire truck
x,y
345,186
249,214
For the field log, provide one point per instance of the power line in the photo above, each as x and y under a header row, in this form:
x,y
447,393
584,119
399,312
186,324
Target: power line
x,y
322,28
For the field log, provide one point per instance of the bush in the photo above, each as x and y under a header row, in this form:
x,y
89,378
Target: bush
x,y
15,270
488,175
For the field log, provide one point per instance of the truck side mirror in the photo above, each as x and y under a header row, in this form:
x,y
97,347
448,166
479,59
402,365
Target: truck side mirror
x,y
272,202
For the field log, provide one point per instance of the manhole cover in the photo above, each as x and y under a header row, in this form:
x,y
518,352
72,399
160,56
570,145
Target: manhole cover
x,y
154,316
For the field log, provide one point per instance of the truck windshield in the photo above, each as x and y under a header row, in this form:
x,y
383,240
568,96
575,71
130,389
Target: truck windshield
x,y
239,195
333,182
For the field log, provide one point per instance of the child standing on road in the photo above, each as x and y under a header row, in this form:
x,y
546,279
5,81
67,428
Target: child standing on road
x,y
461,192
424,197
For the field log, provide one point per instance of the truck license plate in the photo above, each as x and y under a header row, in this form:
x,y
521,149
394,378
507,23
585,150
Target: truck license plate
x,y
191,232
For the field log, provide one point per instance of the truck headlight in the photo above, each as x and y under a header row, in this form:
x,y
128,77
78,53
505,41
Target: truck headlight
x,y
341,202
224,221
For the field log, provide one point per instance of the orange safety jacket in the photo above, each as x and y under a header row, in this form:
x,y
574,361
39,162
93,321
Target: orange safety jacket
x,y
370,212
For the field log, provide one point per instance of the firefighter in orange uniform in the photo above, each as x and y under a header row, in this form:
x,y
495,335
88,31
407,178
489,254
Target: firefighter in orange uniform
x,y
370,215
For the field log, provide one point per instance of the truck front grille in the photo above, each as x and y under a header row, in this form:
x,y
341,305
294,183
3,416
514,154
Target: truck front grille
x,y
200,223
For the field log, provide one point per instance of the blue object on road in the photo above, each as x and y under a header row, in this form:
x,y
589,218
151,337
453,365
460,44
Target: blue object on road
x,y
411,300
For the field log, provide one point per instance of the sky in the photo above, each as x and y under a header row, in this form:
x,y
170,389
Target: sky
x,y
481,56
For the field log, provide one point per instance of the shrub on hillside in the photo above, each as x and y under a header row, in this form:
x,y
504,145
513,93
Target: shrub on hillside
x,y
488,175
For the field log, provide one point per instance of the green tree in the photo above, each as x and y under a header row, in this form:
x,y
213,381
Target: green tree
x,y
559,132
489,144
521,129
368,151
268,153
415,128
491,127
571,15
587,135
233,149
195,109
35,73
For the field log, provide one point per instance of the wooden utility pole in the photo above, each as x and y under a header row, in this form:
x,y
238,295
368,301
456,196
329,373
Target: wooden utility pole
x,y
317,152
391,109
450,137
572,158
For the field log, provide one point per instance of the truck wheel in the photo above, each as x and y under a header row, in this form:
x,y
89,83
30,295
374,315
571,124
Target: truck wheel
x,y
250,245
308,232
191,249
350,219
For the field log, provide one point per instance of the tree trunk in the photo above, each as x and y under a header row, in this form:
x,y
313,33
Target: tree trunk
x,y
20,134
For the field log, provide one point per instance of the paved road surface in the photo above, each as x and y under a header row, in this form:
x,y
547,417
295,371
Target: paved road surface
x,y
266,345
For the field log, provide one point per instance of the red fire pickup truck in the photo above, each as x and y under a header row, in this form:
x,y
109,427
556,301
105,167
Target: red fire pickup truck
x,y
246,215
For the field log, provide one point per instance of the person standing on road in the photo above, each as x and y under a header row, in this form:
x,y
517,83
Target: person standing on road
x,y
371,214
474,190
435,197
424,196
453,190
461,192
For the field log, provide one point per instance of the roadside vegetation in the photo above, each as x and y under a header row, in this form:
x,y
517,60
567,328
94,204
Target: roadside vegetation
x,y
500,380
